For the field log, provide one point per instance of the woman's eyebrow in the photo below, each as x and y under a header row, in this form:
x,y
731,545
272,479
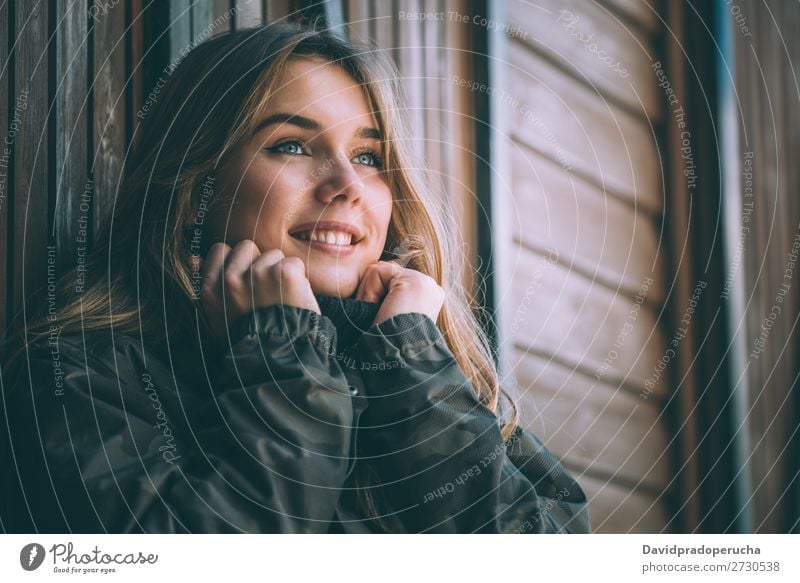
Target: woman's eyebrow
x,y
310,124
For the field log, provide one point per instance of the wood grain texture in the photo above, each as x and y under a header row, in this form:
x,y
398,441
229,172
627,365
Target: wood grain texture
x,y
249,13
411,65
644,13
219,9
598,235
614,509
459,142
767,88
593,425
108,92
180,28
359,19
74,193
557,312
605,53
6,186
28,120
277,10
202,19
562,119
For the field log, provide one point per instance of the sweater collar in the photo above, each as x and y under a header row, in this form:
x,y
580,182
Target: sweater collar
x,y
350,316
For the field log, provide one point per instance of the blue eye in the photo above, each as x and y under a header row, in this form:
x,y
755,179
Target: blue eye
x,y
287,148
368,158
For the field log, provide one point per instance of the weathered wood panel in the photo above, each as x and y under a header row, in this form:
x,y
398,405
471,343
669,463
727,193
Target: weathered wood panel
x,y
108,94
73,201
435,84
559,117
359,19
6,163
411,65
614,509
278,9
29,134
202,18
558,312
599,236
643,13
180,27
593,424
767,91
459,141
382,21
588,42
249,13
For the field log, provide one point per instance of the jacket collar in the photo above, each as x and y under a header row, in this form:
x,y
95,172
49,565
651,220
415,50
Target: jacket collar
x,y
351,317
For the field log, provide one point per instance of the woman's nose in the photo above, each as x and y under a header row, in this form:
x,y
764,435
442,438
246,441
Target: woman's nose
x,y
340,180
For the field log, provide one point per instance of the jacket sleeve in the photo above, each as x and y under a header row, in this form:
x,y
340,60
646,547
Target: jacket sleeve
x,y
439,453
264,447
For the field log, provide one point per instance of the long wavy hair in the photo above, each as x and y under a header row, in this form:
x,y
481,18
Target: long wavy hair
x,y
206,110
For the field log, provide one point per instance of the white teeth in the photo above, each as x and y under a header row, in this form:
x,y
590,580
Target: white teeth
x,y
330,237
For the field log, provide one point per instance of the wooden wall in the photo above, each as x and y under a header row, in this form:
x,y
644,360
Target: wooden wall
x,y
67,106
763,195
74,74
584,209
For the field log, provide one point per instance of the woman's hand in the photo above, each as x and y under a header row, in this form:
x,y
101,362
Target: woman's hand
x,y
401,290
239,279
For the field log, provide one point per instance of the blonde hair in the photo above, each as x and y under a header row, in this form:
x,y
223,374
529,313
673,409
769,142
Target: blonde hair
x,y
226,83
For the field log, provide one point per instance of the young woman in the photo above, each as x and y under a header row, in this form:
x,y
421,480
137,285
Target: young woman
x,y
274,339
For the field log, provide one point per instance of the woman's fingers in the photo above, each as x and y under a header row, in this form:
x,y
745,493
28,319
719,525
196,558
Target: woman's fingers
x,y
267,259
212,268
377,281
401,290
239,279
239,261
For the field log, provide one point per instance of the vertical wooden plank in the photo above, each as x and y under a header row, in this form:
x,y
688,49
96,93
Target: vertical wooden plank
x,y
678,214
73,192
6,231
383,23
333,11
28,130
108,93
433,90
249,13
770,235
358,19
202,18
135,59
460,144
767,91
277,10
222,8
180,28
410,63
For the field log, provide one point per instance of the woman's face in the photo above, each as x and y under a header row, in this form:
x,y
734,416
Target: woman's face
x,y
310,182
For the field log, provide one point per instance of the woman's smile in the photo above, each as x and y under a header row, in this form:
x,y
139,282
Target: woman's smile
x,y
331,237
